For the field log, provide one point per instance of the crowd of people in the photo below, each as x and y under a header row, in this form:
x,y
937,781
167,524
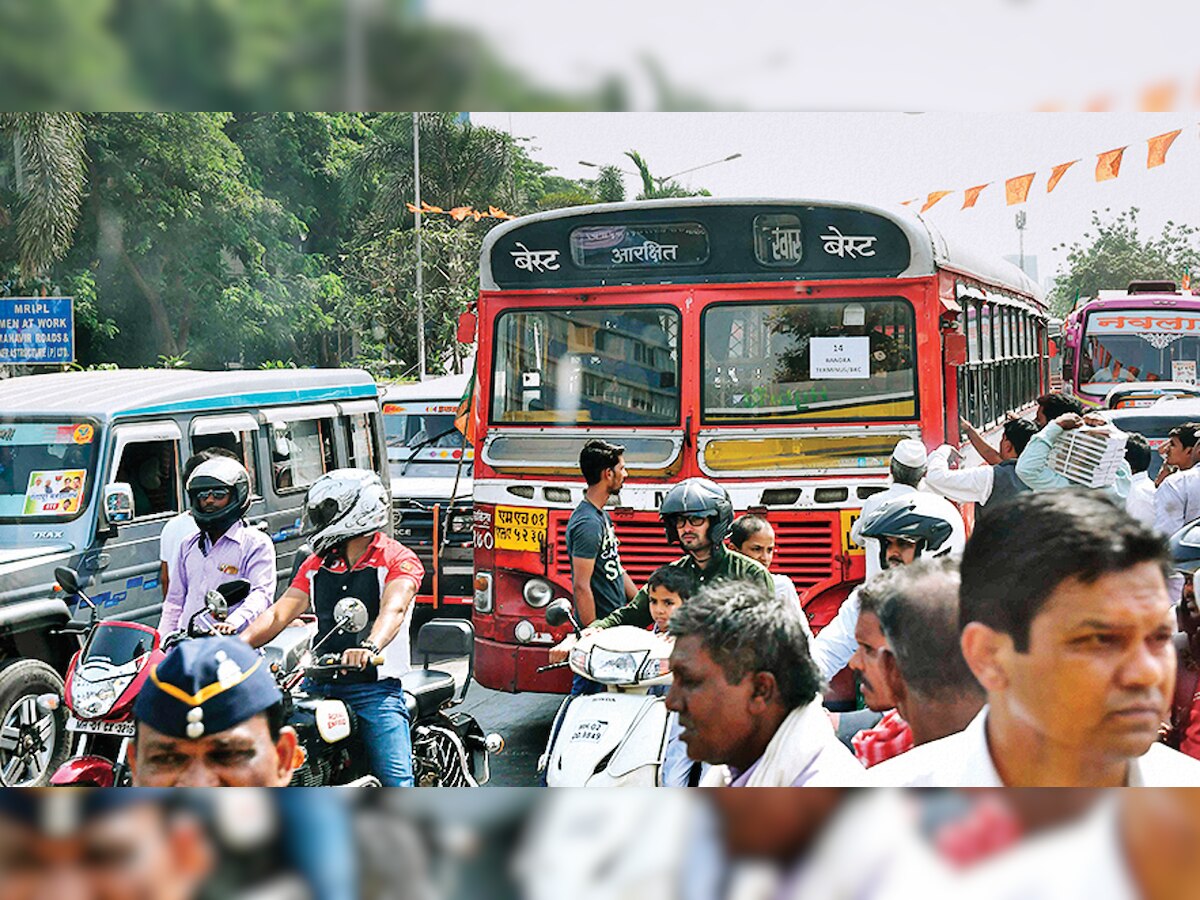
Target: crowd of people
x,y
1056,646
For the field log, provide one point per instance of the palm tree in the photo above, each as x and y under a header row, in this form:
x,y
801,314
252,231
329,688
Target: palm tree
x,y
658,188
49,163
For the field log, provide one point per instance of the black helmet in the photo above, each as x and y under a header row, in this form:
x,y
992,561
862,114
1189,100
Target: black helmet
x,y
915,517
1185,548
697,497
220,472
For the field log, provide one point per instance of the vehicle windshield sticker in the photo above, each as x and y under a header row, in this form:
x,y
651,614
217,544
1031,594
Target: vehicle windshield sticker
x,y
54,492
846,357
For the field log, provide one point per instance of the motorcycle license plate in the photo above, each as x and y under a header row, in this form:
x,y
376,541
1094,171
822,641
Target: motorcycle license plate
x,y
120,729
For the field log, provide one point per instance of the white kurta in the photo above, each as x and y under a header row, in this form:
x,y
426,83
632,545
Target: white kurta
x,y
964,760
1081,861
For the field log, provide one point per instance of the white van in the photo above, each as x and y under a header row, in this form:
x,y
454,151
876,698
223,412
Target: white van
x,y
431,465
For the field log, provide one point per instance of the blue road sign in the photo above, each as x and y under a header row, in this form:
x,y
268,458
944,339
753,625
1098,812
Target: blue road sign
x,y
37,330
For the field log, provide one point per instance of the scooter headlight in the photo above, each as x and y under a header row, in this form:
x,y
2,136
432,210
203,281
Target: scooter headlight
x,y
616,666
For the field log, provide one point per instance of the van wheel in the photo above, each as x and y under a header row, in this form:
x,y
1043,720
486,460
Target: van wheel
x,y
32,742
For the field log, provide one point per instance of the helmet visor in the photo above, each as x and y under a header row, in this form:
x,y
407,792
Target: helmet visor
x,y
322,514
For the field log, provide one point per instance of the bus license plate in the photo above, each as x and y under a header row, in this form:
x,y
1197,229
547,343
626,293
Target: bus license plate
x,y
519,528
119,729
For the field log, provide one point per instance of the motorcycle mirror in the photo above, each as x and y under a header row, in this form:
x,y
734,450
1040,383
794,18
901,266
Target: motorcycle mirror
x,y
68,579
216,604
350,614
234,591
558,612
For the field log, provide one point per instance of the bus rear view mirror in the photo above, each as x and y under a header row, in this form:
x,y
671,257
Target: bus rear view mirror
x,y
466,327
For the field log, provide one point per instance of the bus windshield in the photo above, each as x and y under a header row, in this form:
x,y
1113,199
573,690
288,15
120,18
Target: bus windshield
x,y
598,365
1138,345
46,469
849,360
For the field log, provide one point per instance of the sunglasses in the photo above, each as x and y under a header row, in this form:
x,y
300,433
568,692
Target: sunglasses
x,y
215,493
694,521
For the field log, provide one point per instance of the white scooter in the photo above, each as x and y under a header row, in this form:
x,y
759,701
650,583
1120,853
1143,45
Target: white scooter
x,y
617,738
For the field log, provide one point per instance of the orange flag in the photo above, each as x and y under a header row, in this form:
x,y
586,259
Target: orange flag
x,y
1162,97
425,207
1057,173
1017,189
411,207
459,213
1157,154
909,202
498,213
934,197
1108,164
971,195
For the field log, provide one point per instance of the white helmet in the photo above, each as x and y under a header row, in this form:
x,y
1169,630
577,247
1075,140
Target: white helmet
x,y
917,516
345,503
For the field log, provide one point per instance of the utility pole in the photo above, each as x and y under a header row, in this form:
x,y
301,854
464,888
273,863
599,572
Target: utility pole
x,y
417,203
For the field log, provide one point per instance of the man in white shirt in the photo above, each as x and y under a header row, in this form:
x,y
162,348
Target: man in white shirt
x,y
1140,502
907,467
748,695
1177,500
986,485
1067,625
916,525
1135,845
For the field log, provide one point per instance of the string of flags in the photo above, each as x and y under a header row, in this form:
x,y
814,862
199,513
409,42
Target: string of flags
x,y
1017,188
460,213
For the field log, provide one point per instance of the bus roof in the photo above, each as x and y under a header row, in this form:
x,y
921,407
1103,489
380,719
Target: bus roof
x,y
900,243
446,387
130,392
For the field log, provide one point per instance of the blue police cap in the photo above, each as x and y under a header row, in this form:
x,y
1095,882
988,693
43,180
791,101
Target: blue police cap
x,y
206,686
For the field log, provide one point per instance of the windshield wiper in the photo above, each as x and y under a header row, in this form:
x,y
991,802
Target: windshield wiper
x,y
423,444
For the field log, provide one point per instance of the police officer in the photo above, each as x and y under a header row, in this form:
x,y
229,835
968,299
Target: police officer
x,y
210,714
697,514
88,845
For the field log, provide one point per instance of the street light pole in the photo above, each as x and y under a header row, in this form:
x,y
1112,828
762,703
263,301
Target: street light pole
x,y
659,182
417,203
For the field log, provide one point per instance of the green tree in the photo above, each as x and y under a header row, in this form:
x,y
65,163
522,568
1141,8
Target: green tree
x,y
42,182
659,188
1114,253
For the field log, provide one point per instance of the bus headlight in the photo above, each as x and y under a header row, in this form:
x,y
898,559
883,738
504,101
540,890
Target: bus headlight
x,y
483,592
524,631
537,593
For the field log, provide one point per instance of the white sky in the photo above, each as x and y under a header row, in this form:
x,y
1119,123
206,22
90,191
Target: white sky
x,y
891,157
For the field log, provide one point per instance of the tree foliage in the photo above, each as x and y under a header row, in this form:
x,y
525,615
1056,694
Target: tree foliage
x,y
1114,253
260,239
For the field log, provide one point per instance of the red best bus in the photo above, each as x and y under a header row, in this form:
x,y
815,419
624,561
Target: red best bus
x,y
1148,332
779,347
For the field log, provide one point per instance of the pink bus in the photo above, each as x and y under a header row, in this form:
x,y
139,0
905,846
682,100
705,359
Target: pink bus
x,y
1148,332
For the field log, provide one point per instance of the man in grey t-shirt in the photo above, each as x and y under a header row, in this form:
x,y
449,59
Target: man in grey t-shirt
x,y
599,582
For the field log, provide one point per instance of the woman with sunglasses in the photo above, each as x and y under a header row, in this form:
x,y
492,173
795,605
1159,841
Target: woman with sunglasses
x,y
223,549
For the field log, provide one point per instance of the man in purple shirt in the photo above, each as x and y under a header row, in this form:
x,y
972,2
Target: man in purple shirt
x,y
223,550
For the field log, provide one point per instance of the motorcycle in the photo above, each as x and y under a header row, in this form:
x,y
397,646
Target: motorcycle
x,y
449,748
103,680
615,738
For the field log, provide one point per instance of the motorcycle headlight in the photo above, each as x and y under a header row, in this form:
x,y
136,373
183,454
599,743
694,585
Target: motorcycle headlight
x,y
537,593
615,667
93,699
460,523
654,667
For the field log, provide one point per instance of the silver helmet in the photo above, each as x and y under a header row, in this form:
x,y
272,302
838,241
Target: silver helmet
x,y
343,504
